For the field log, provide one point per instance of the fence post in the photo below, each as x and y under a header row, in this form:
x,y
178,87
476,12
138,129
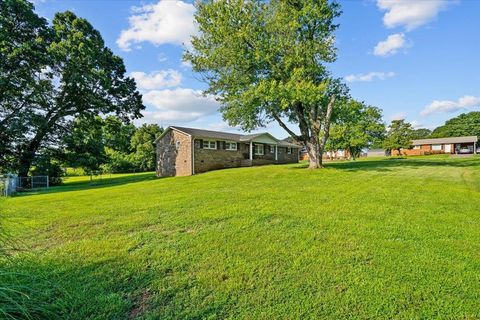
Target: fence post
x,y
48,182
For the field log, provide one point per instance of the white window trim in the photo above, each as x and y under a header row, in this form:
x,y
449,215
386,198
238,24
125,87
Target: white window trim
x,y
272,148
228,144
289,150
256,149
209,147
436,147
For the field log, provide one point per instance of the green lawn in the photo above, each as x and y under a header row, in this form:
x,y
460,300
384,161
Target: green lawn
x,y
380,238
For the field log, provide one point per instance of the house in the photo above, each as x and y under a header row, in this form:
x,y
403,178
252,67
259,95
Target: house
x,y
452,145
186,151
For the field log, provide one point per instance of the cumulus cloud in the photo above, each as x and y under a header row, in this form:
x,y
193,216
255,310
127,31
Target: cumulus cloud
x,y
398,116
409,13
369,76
391,45
180,104
157,79
168,21
222,126
448,106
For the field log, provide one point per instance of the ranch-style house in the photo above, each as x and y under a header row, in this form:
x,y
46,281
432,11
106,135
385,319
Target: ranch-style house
x,y
451,145
187,151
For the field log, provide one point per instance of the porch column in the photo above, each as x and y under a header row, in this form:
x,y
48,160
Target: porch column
x,y
276,153
474,147
251,150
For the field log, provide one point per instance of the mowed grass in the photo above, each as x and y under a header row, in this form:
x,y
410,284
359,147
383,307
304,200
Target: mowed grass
x,y
376,239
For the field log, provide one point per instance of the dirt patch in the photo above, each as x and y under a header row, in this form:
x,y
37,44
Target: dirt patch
x,y
140,304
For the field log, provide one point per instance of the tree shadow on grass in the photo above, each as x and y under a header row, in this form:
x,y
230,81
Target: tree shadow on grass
x,y
390,164
96,184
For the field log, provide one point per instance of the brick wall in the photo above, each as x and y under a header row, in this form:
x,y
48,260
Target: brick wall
x,y
174,155
284,157
206,159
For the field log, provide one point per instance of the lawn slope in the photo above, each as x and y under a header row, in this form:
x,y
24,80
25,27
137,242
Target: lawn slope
x,y
366,239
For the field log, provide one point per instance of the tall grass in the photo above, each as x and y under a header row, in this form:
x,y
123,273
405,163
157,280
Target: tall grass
x,y
23,295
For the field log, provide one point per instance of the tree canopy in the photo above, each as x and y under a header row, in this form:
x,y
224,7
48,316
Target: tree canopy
x,y
466,124
399,136
267,61
357,126
70,73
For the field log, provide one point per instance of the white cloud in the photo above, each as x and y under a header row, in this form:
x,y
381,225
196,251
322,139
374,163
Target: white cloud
x,y
157,79
162,57
391,45
369,76
222,126
410,13
447,106
416,124
398,116
180,104
168,21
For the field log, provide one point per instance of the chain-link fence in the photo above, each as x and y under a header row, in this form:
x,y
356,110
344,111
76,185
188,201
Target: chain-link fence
x,y
32,182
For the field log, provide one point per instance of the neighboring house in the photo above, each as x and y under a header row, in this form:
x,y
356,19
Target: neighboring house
x,y
453,145
186,151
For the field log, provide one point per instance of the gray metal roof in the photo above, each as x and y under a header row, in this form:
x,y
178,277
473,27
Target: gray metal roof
x,y
468,139
201,133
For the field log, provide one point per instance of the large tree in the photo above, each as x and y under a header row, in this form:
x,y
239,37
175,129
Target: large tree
x,y
24,38
266,61
80,77
399,136
421,133
85,145
143,144
357,126
466,124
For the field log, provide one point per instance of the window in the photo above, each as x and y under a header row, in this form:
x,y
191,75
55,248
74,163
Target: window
x,y
232,146
416,147
436,147
289,150
258,149
272,148
209,144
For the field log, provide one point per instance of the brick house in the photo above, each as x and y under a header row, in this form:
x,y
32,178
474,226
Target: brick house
x,y
451,145
186,151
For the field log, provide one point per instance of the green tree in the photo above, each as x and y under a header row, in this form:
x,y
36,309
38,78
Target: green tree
x,y
266,61
24,38
84,145
117,134
143,143
357,127
466,124
81,77
399,136
421,133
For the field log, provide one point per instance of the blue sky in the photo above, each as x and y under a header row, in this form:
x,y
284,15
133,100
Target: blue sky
x,y
418,60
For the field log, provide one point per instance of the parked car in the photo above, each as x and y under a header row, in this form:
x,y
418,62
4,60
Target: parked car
x,y
464,150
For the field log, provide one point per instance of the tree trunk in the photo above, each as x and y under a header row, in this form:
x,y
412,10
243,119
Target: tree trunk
x,y
314,155
326,127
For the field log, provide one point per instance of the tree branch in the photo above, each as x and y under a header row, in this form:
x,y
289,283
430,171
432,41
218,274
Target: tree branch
x,y
284,126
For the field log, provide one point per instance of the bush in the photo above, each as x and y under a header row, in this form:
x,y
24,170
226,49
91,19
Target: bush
x,y
119,162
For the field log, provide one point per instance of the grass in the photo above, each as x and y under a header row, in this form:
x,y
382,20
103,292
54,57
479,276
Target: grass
x,y
375,238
